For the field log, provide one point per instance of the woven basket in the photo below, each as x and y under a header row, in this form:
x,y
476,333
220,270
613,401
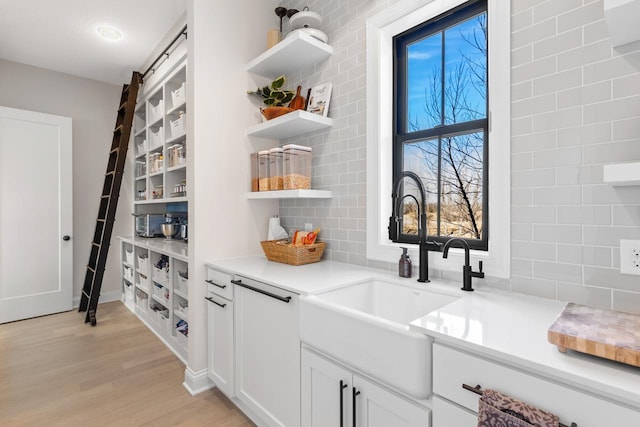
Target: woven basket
x,y
287,253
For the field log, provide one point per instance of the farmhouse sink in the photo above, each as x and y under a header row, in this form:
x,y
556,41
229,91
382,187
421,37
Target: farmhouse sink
x,y
366,325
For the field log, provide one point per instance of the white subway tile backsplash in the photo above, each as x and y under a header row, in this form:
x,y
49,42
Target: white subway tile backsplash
x,y
557,119
587,295
627,129
561,157
521,161
533,251
557,196
579,16
522,20
608,195
626,215
569,254
588,54
580,215
533,142
531,106
595,32
597,256
557,271
614,67
559,43
532,70
629,302
533,214
626,86
521,267
533,33
533,178
610,278
573,175
522,232
520,91
551,9
557,233
617,109
531,286
608,235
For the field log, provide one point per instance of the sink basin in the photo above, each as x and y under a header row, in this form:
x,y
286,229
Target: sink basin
x,y
366,325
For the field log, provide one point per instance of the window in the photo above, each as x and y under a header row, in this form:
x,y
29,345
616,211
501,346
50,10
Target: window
x,y
381,30
440,127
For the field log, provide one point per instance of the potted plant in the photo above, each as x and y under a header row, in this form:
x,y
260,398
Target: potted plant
x,y
275,98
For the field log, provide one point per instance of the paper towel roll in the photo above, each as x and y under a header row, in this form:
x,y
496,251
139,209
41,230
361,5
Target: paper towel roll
x,y
276,232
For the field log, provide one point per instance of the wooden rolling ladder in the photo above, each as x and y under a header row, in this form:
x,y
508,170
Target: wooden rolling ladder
x,y
109,200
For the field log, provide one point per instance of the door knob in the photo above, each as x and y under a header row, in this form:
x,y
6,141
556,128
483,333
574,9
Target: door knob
x,y
66,238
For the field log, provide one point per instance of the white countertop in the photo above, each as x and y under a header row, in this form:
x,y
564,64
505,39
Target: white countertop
x,y
174,248
300,279
512,328
506,327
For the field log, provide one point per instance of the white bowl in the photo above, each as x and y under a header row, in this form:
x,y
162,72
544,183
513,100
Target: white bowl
x,y
316,34
305,19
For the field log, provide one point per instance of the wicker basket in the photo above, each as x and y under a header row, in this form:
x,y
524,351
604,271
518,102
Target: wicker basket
x,y
293,255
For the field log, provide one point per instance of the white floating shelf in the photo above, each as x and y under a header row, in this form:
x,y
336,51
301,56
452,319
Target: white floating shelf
x,y
622,174
167,200
291,124
290,194
294,53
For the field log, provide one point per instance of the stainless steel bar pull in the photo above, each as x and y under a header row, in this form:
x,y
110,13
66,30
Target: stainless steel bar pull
x,y
260,291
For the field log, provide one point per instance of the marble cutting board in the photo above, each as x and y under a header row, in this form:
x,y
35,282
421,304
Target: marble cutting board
x,y
604,333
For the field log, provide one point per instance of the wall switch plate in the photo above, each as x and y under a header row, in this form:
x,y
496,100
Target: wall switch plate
x,y
630,257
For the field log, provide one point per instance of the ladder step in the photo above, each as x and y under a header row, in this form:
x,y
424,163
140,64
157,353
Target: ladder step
x,y
101,220
122,106
115,150
95,244
91,269
110,173
85,294
118,129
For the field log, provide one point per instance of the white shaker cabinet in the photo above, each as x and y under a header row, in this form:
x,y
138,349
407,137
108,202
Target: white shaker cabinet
x,y
452,368
333,395
220,331
267,351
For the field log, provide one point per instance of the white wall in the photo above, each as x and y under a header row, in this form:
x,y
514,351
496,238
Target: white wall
x,y
92,105
223,223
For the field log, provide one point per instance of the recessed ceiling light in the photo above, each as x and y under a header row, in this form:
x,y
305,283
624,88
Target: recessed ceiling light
x,y
109,33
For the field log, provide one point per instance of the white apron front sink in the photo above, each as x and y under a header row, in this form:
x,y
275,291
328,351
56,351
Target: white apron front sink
x,y
366,325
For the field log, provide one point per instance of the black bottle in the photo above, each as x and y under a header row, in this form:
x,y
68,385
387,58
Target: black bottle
x,y
404,265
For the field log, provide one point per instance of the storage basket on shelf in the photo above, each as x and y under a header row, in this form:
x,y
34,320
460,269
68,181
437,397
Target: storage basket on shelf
x,y
286,253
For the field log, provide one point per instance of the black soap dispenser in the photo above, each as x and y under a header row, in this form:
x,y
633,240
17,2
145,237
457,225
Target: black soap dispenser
x,y
404,265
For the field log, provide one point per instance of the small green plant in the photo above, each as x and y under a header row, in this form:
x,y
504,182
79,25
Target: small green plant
x,y
273,95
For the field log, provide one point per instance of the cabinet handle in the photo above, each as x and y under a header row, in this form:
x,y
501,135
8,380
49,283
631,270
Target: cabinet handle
x,y
260,291
355,394
478,390
215,302
342,387
215,284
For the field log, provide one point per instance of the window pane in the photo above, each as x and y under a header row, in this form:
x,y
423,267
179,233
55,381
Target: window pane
x,y
465,89
461,186
424,83
422,159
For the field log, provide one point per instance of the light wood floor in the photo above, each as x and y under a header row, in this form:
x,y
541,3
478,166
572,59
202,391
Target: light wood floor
x,y
58,371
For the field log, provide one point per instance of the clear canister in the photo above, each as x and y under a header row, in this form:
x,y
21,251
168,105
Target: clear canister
x,y
276,168
255,172
263,170
297,167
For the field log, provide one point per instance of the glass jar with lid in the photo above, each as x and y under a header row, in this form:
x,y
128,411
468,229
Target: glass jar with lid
x,y
297,167
263,170
275,169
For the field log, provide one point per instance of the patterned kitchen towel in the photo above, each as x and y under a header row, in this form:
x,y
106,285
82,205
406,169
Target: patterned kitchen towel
x,y
499,410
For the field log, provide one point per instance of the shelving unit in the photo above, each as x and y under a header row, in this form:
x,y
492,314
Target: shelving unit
x,y
159,127
158,296
294,53
292,124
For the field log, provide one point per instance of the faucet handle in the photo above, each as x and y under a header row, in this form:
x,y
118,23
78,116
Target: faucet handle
x,y
480,266
479,274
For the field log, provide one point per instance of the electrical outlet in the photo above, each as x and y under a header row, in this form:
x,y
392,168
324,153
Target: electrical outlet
x,y
630,257
308,226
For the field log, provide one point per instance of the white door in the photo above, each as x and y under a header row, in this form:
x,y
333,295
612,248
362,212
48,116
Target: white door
x,y
36,275
326,392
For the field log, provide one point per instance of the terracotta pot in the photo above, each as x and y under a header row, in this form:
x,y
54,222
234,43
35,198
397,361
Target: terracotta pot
x,y
273,112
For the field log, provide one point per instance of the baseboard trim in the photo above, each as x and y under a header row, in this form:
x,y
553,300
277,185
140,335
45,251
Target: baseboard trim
x,y
106,297
196,382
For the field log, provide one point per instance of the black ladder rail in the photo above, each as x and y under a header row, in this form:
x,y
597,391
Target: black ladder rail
x,y
109,200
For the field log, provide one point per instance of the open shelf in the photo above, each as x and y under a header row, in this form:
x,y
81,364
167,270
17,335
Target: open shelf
x,y
292,54
164,200
622,174
290,194
292,124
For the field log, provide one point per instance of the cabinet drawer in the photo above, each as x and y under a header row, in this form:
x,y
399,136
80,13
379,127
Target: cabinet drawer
x,y
446,414
452,368
220,283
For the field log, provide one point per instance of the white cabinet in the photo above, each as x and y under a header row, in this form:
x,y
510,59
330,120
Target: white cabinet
x,y
449,414
220,331
335,396
453,368
267,351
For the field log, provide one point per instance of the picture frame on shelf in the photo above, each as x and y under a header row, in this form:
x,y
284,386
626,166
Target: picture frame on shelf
x,y
319,99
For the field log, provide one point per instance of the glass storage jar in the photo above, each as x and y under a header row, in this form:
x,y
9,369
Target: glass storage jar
x,y
275,169
297,167
255,174
263,170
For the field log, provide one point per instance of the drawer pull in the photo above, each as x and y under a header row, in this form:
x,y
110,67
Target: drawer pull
x,y
342,387
260,291
478,390
215,284
216,303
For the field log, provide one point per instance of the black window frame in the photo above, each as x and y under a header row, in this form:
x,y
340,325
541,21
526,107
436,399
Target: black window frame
x,y
401,136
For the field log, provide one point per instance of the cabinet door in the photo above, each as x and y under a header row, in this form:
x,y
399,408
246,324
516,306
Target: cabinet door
x,y
377,407
446,414
268,352
220,343
326,392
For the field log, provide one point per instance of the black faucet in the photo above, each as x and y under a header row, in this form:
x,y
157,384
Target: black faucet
x,y
467,272
394,223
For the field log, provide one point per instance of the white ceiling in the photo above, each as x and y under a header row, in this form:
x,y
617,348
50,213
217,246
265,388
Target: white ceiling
x,y
60,34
